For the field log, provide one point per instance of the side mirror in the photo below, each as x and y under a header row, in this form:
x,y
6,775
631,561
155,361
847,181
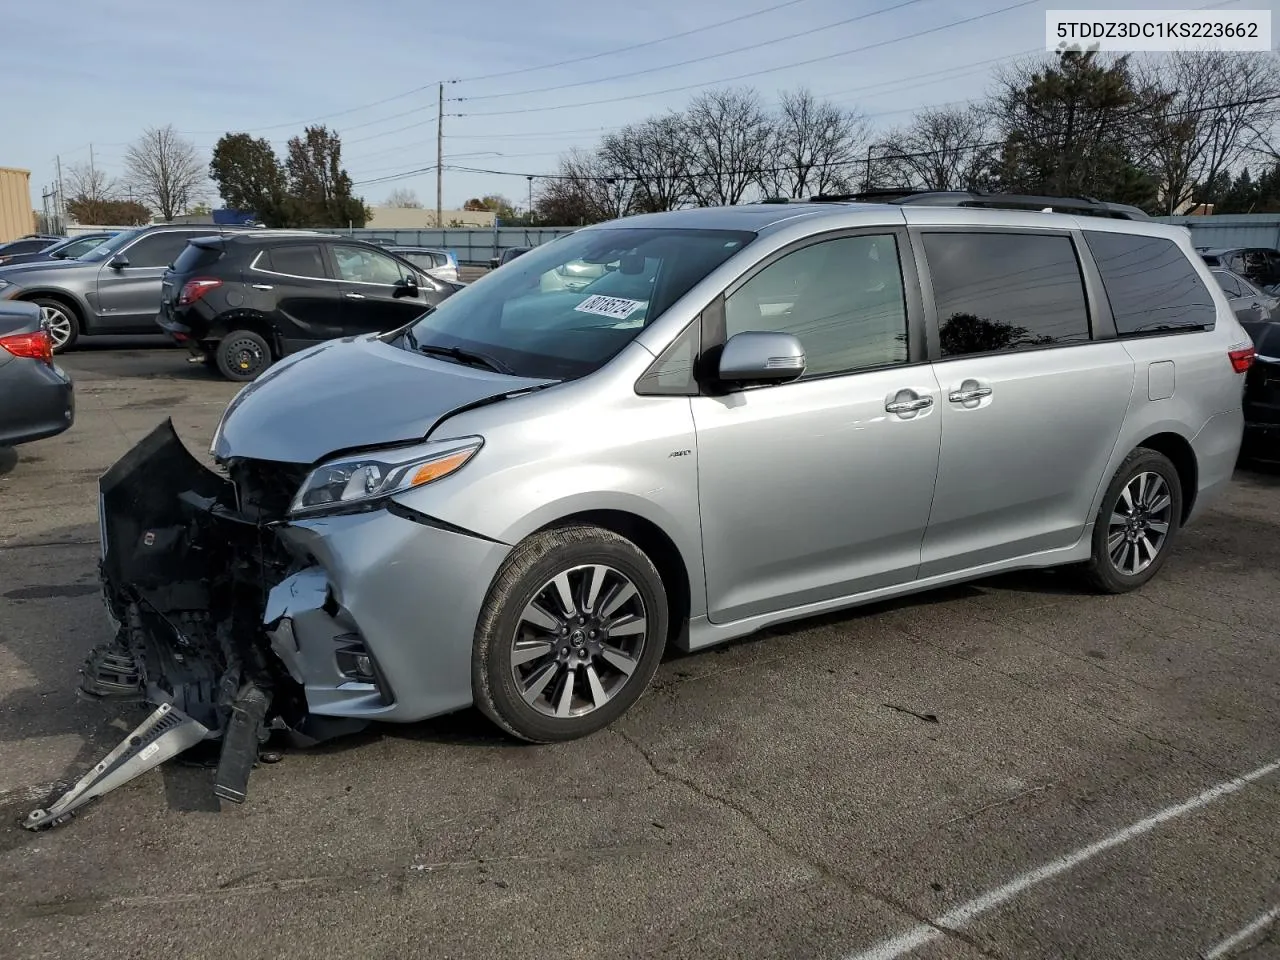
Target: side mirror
x,y
408,286
757,357
493,263
118,262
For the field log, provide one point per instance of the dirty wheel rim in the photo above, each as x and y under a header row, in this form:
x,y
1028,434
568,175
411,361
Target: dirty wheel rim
x,y
244,356
58,323
578,641
1139,523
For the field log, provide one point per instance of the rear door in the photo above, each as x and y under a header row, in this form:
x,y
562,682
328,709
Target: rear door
x,y
373,292
293,285
1031,403
129,295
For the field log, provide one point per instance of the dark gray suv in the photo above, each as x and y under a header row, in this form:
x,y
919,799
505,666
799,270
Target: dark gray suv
x,y
114,288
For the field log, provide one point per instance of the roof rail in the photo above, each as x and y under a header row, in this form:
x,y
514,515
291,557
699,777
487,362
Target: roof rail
x,y
1089,206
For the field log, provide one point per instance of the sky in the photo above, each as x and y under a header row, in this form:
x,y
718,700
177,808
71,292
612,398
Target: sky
x,y
370,70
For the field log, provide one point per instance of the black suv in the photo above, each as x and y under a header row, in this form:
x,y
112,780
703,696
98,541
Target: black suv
x,y
241,302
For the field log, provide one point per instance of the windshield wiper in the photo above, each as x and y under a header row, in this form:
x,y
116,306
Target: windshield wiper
x,y
469,357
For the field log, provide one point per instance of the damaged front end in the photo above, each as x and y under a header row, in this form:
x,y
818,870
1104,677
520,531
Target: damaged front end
x,y
189,561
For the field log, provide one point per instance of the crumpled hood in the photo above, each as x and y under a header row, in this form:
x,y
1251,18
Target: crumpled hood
x,y
355,392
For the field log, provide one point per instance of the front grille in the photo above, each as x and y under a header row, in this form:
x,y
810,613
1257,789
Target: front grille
x,y
265,488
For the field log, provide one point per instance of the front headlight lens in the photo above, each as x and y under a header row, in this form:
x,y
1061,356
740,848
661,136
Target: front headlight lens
x,y
363,480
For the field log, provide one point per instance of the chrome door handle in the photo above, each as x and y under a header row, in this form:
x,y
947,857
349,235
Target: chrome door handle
x,y
263,286
964,396
355,296
907,406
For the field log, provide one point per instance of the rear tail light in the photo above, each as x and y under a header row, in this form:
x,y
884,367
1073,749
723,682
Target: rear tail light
x,y
193,290
34,346
1242,357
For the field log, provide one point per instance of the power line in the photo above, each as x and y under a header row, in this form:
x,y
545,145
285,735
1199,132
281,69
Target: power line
x,y
628,49
1121,118
507,73
758,73
702,59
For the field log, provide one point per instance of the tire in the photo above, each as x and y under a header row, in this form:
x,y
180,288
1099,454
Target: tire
x,y
242,355
1131,545
519,666
64,325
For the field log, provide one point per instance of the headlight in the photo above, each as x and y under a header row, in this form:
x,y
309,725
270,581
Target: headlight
x,y
362,480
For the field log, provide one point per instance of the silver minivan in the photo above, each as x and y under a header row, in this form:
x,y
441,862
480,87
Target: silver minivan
x,y
766,412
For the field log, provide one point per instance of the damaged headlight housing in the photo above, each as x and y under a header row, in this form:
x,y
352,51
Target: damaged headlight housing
x,y
360,481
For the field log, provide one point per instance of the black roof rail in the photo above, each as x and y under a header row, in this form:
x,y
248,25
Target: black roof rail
x,y
1089,206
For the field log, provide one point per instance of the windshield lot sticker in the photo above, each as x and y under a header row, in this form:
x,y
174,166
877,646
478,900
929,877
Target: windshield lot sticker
x,y
615,307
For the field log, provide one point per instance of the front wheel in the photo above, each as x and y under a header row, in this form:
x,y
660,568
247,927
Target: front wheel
x,y
1138,520
570,635
242,355
61,322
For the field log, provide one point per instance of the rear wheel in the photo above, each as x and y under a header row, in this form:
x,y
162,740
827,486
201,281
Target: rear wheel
x,y
242,355
1137,522
570,635
62,323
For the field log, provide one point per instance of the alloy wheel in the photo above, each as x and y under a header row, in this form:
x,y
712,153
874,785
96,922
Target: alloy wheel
x,y
1139,523
578,641
58,323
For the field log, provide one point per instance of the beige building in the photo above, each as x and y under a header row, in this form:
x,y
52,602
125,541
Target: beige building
x,y
423,218
16,216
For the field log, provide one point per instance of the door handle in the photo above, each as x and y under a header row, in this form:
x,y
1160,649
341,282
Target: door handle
x,y
964,396
355,296
263,286
907,406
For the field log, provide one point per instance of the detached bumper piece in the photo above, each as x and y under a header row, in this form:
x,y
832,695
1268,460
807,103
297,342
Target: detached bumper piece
x,y
185,574
164,734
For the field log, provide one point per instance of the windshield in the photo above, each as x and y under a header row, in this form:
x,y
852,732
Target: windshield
x,y
533,322
109,247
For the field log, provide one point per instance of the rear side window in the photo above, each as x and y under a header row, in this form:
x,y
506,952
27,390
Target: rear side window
x,y
1150,283
157,249
303,260
1228,284
1005,291
196,257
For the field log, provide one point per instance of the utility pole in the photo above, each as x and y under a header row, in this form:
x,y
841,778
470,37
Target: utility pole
x,y
440,160
58,206
529,215
866,183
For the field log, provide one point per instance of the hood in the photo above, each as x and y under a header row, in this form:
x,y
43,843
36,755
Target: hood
x,y
345,394
18,272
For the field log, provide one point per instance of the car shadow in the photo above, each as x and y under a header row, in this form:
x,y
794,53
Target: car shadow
x,y
8,459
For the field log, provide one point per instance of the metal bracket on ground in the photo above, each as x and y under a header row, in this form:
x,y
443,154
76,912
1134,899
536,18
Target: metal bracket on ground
x,y
164,734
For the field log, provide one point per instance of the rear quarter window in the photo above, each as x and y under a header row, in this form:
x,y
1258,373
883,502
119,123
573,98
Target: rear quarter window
x,y
195,257
1151,285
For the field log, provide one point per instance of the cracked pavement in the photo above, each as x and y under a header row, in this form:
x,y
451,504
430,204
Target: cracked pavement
x,y
807,792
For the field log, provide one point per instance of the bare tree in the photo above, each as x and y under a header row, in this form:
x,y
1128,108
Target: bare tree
x,y
586,190
813,146
727,134
403,197
652,155
165,171
1219,107
90,184
941,149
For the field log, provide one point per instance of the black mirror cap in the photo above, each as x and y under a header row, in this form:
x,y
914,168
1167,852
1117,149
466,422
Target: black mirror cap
x,y
759,357
118,262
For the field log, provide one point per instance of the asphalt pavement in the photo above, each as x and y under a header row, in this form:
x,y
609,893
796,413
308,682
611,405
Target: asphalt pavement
x,y
1010,769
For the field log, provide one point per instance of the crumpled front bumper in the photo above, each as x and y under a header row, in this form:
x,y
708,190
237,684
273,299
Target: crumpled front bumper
x,y
340,619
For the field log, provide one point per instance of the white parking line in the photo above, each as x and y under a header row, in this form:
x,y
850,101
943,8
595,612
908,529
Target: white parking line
x,y
964,914
1233,941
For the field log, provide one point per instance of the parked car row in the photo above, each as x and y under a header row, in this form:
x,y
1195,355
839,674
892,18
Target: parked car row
x,y
239,298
